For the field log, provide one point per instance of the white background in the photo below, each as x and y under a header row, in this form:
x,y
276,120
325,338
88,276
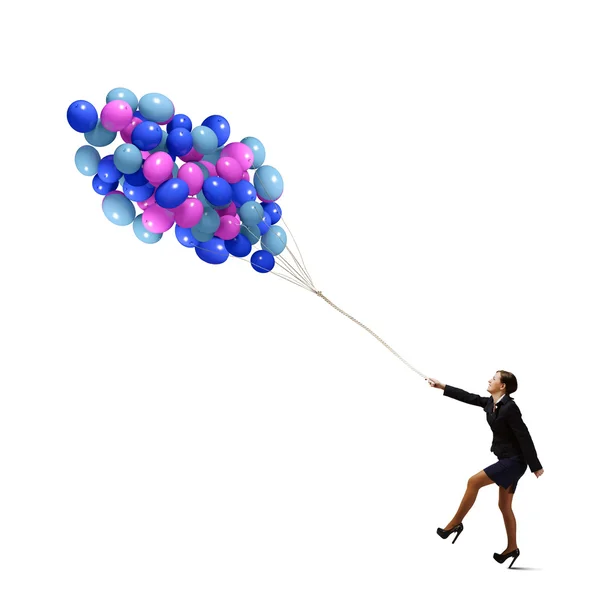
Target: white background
x,y
173,429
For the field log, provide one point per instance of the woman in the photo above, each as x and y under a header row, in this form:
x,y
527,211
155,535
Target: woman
x,y
513,446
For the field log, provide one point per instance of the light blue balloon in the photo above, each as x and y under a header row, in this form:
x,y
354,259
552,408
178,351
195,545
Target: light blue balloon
x,y
200,195
213,157
99,136
209,222
156,107
275,240
252,233
251,213
86,160
118,209
204,139
162,147
202,237
123,94
175,169
257,149
143,234
268,183
128,158
204,169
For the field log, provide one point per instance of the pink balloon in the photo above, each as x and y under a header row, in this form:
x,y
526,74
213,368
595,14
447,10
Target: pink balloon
x,y
212,170
229,169
192,155
229,228
230,210
146,154
157,219
116,115
189,213
192,174
144,204
158,167
240,153
126,133
245,175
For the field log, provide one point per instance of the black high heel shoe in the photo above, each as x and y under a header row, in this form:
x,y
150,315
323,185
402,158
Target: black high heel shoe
x,y
502,557
444,533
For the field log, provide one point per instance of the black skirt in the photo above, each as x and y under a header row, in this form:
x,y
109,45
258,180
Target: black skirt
x,y
507,472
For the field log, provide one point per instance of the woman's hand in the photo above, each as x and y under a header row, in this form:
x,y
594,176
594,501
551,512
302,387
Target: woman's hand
x,y
435,383
538,473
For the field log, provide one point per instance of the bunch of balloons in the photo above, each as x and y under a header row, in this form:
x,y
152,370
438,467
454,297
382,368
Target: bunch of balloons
x,y
181,176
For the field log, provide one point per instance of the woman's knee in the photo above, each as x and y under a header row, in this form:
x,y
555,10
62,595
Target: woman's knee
x,y
479,480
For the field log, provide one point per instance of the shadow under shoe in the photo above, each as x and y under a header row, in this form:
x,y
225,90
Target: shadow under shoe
x,y
444,533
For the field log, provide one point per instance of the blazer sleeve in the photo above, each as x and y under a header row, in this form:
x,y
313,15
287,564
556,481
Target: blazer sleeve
x,y
458,394
515,421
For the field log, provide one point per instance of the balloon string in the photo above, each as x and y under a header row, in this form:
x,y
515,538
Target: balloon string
x,y
308,281
304,269
321,295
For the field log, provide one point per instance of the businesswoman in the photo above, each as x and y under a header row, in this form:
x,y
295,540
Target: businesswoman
x,y
512,445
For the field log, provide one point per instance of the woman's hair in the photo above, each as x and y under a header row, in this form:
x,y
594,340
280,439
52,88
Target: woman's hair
x,y
510,380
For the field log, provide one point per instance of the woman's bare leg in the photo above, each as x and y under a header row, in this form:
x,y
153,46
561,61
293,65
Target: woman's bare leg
x,y
505,505
474,484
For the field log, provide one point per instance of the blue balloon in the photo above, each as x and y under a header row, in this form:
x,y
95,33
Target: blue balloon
x,y
205,140
172,193
128,158
209,223
82,116
243,191
274,211
179,141
139,115
252,233
184,236
102,187
86,160
143,234
179,120
156,107
205,202
123,94
262,261
99,136
251,213
107,170
138,193
268,183
220,126
274,240
137,178
147,135
217,191
213,252
264,224
239,246
257,149
118,209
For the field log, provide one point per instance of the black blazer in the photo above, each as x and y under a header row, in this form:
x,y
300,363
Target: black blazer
x,y
511,436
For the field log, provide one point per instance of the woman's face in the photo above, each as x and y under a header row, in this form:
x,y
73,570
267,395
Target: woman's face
x,y
495,385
